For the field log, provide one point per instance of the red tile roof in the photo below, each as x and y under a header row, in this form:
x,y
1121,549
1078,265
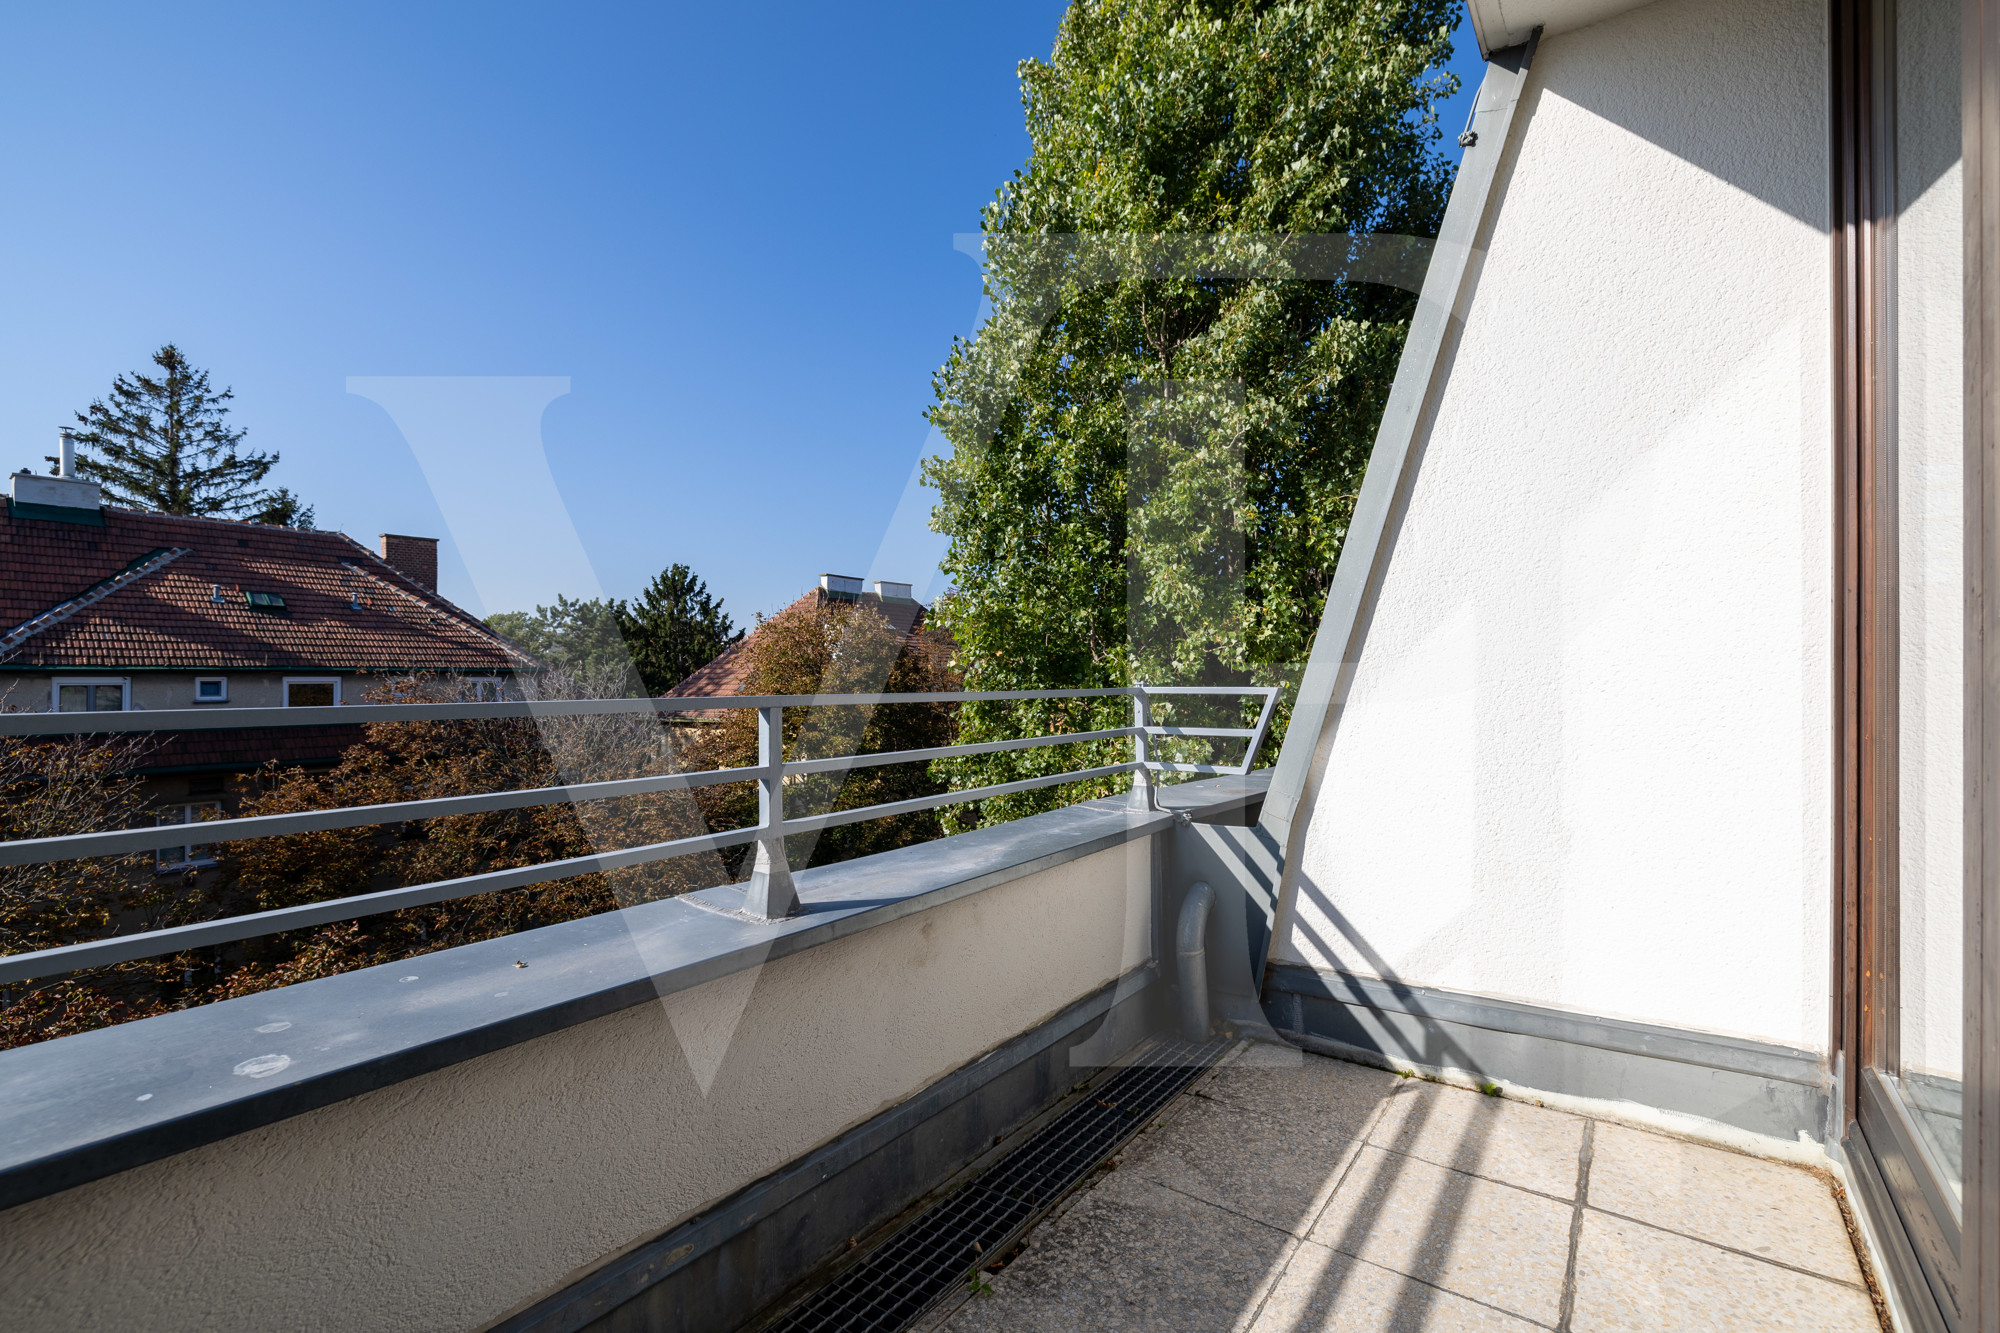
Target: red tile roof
x,y
153,590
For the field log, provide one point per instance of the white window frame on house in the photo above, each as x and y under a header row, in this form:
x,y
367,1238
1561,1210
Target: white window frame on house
x,y
188,856
287,682
124,684
221,698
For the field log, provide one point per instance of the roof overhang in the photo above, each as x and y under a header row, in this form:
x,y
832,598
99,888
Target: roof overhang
x,y
1502,23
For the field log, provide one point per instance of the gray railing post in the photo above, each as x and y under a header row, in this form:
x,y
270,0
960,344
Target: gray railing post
x,y
770,892
1143,794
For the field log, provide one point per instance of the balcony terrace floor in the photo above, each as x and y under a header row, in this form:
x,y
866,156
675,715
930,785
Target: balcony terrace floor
x,y
1282,1194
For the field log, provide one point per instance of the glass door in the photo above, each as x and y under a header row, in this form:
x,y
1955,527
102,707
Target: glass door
x,y
1900,238
1923,1058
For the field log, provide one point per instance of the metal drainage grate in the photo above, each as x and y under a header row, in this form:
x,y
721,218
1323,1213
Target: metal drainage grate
x,y
936,1250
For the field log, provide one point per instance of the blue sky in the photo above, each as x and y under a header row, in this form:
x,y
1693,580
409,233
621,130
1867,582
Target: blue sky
x,y
728,229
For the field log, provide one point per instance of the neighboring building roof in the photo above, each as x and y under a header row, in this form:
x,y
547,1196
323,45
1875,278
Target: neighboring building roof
x,y
155,591
727,673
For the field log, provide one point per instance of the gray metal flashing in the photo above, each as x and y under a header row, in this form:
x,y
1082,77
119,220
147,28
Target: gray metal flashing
x,y
1714,1050
1909,1292
810,1182
1392,464
1762,1087
71,1108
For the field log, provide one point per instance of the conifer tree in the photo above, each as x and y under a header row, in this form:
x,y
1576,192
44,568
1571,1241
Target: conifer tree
x,y
675,628
163,442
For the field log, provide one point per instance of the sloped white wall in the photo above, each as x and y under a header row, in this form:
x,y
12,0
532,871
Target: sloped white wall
x,y
1586,758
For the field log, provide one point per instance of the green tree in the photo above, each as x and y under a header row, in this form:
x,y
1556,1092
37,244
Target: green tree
x,y
1157,435
675,628
165,443
282,509
580,636
817,646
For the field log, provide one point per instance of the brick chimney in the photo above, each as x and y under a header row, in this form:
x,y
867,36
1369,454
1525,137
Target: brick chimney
x,y
416,557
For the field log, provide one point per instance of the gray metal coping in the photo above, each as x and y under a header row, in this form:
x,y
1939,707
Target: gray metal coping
x,y
82,1107
1713,1050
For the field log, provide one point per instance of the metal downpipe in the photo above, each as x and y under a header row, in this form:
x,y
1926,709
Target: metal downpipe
x,y
1191,960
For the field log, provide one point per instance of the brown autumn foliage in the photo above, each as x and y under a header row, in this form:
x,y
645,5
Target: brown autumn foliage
x,y
398,761
826,647
74,786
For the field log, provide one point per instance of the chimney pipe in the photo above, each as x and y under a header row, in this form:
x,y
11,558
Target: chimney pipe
x,y
66,467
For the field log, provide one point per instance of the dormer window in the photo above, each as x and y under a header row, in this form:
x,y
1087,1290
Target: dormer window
x,y
268,602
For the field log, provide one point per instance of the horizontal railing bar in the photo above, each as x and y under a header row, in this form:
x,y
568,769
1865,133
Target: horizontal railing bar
x,y
126,948
808,823
348,715
841,763
74,846
228,930
1266,690
114,842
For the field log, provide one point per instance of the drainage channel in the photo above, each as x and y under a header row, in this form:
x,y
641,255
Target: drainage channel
x,y
936,1251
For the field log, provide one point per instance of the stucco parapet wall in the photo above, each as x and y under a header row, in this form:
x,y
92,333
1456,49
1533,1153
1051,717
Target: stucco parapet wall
x,y
86,1106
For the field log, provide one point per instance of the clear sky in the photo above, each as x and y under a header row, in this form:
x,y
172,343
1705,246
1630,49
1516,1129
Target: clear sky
x,y
583,290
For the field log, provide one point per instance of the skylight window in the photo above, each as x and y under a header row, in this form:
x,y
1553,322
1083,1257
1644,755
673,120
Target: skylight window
x,y
265,601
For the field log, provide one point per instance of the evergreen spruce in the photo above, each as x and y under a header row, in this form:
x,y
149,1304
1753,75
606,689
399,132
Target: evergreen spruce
x,y
675,629
164,443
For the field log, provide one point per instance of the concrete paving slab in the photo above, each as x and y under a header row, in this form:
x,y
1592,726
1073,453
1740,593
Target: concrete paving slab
x,y
1764,1208
1633,1278
1324,1291
1496,1244
1342,1096
1279,1171
1133,1255
1516,1143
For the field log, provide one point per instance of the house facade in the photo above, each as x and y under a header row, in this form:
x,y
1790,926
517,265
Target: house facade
x,y
108,609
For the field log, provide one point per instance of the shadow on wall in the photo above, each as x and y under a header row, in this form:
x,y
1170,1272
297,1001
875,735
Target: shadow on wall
x,y
1758,66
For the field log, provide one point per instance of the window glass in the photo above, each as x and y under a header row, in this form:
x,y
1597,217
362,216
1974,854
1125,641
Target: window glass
x,y
73,698
193,855
208,689
309,694
1928,424
109,698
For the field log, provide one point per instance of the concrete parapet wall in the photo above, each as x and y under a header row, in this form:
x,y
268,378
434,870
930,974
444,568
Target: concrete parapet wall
x,y
448,1199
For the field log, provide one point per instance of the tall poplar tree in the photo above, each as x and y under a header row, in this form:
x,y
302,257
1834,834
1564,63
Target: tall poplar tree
x,y
163,442
1158,433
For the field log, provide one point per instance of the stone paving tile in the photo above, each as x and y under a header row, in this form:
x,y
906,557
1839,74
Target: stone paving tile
x,y
1514,1142
1335,1093
1499,1245
1764,1208
1133,1255
1634,1279
1280,1172
1324,1291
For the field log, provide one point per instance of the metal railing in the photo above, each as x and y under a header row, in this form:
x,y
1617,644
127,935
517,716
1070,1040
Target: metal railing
x,y
769,893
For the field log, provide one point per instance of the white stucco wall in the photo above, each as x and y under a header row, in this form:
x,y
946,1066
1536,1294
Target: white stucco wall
x,y
447,1200
1585,759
